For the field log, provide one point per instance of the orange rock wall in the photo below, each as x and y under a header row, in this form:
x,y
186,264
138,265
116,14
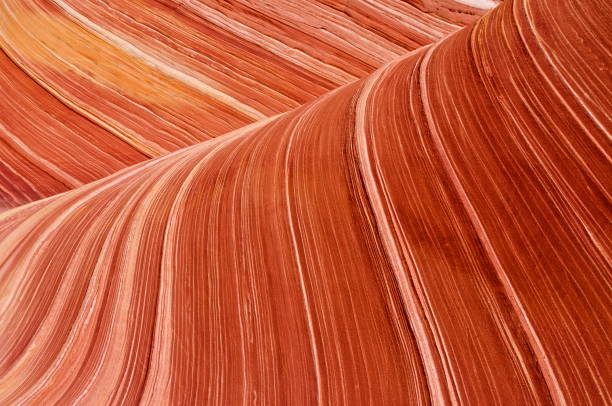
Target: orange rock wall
x,y
432,234
152,77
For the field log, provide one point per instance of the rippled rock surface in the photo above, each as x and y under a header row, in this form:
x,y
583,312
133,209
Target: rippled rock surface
x,y
436,232
95,86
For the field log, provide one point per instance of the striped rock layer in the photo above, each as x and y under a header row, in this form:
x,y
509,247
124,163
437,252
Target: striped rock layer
x,y
433,234
94,86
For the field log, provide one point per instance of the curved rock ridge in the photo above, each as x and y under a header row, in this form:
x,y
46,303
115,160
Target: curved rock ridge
x,y
157,76
437,233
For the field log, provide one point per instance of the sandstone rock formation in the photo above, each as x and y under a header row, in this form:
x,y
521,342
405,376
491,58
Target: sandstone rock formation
x,y
435,233
147,77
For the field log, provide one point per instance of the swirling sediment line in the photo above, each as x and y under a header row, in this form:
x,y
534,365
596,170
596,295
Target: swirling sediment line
x,y
433,234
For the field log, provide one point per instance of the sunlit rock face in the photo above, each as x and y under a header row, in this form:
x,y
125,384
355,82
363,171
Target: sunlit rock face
x,y
94,86
436,232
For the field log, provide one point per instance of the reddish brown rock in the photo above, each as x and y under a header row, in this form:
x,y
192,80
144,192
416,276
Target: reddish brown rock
x,y
157,76
436,233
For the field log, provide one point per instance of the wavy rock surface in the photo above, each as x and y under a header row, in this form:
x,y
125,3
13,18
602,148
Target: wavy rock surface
x,y
434,233
138,79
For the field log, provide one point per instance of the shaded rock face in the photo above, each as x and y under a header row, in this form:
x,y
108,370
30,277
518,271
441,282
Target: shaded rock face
x,y
436,232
